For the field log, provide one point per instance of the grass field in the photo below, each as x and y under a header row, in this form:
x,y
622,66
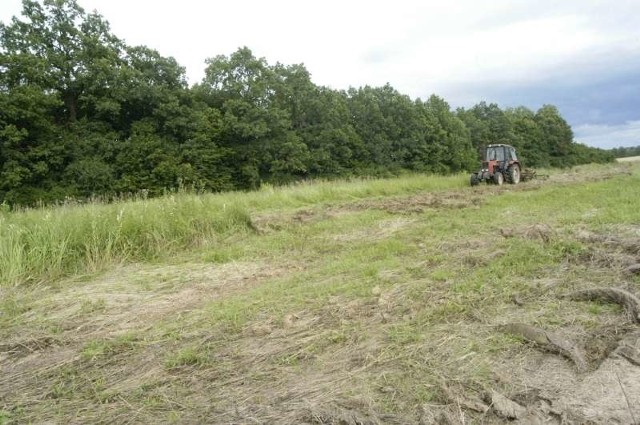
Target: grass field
x,y
409,300
629,159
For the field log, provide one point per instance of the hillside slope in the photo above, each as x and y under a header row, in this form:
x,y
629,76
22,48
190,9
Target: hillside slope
x,y
449,305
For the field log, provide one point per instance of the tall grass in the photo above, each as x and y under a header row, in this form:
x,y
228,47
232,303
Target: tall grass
x,y
50,242
41,244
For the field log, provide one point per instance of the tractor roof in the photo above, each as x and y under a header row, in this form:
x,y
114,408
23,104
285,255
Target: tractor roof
x,y
498,145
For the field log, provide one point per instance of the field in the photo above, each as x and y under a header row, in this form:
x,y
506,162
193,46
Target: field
x,y
629,159
399,301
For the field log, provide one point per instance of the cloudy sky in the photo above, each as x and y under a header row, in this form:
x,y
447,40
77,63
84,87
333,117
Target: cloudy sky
x,y
581,55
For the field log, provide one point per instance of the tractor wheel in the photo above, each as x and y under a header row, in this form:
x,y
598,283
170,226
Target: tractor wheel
x,y
498,178
474,180
513,174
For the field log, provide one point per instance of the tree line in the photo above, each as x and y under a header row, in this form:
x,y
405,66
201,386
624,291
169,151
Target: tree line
x,y
625,152
82,113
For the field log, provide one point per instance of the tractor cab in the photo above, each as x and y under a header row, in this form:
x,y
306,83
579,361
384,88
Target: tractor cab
x,y
500,153
500,163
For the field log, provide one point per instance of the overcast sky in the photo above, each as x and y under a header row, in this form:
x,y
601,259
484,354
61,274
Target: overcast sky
x,y
581,55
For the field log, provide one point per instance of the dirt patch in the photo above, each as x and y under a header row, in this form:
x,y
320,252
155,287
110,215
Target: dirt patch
x,y
606,388
552,392
609,394
550,341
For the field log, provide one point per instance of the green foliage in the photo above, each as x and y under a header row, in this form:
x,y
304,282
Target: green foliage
x,y
542,138
454,138
83,114
625,152
556,134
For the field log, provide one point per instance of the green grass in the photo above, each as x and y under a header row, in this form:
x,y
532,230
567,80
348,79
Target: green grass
x,y
188,356
45,244
96,349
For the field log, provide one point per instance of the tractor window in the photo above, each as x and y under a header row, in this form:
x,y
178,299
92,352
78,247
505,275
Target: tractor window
x,y
495,153
512,152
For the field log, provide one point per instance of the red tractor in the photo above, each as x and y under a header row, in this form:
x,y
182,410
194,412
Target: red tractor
x,y
500,164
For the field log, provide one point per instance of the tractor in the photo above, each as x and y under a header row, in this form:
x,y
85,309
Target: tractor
x,y
500,164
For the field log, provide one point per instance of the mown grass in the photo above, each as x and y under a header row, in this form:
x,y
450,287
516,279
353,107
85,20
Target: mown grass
x,y
455,247
353,301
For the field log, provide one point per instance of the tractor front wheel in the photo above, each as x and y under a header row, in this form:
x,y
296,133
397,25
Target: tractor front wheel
x,y
498,178
474,180
513,174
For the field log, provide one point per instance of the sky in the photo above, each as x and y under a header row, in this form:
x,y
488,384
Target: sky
x,y
582,56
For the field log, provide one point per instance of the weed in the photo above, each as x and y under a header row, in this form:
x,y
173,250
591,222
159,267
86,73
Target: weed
x,y
93,306
441,275
403,334
188,356
95,349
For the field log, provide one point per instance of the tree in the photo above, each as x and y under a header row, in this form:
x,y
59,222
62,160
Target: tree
x,y
256,128
60,49
623,152
32,149
487,125
528,137
557,135
72,97
389,125
323,122
457,152
50,60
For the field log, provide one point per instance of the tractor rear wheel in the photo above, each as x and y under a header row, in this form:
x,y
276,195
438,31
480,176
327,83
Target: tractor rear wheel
x,y
498,178
513,174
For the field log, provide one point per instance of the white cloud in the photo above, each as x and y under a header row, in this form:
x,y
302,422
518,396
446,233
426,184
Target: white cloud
x,y
457,49
609,136
418,46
